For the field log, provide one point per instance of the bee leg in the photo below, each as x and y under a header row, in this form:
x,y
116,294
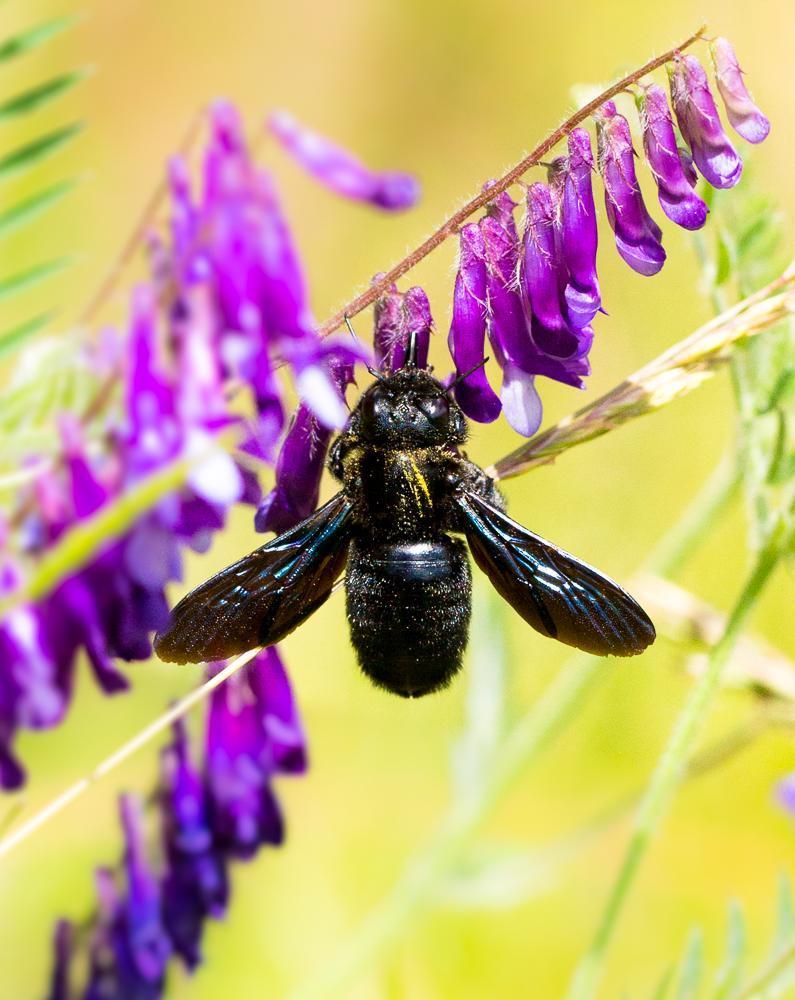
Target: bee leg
x,y
337,454
466,475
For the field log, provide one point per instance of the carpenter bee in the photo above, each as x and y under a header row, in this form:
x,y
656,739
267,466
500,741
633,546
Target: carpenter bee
x,y
407,490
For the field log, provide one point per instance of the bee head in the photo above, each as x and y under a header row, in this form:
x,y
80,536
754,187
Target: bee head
x,y
410,408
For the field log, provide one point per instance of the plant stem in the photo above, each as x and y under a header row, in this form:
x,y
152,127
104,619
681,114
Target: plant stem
x,y
441,854
141,738
668,773
529,737
709,504
452,224
767,976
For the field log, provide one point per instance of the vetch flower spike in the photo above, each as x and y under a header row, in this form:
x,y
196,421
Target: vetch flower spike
x,y
743,114
340,171
672,174
638,237
714,155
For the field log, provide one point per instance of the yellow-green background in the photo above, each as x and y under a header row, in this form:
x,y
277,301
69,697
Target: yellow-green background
x,y
453,91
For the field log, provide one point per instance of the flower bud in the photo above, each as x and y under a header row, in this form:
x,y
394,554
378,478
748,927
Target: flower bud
x,y
744,116
677,198
699,122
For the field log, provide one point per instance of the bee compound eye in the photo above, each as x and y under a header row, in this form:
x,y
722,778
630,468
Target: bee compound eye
x,y
376,409
436,409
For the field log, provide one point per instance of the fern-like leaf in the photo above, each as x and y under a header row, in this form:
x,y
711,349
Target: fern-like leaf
x,y
775,979
20,160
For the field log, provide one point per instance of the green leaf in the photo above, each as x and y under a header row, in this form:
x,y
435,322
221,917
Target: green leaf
x,y
36,97
20,282
484,724
28,209
493,876
664,985
785,913
14,338
17,45
24,157
736,945
691,968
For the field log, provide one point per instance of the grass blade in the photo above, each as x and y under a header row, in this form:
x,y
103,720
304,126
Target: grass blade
x,y
36,97
26,156
17,45
23,280
28,209
13,339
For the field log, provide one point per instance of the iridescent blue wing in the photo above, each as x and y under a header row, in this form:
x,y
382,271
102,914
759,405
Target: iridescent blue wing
x,y
557,594
263,597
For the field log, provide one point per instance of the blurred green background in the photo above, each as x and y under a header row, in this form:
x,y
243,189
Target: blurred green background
x,y
455,92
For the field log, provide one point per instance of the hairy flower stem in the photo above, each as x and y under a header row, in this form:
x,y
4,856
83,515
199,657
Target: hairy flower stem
x,y
529,737
667,776
451,225
139,232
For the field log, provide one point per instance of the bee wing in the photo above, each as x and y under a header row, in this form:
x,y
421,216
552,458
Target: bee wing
x,y
265,595
557,594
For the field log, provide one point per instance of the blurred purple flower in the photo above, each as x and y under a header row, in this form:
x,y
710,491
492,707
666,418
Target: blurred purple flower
x,y
130,948
467,335
224,809
235,240
638,237
743,114
340,171
63,946
674,177
699,123
195,884
785,792
249,716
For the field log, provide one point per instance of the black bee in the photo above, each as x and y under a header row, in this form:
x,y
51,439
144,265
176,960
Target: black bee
x,y
406,491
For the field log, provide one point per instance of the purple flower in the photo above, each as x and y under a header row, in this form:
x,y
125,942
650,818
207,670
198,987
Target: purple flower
x,y
744,116
468,330
785,792
517,354
543,276
130,947
674,177
638,237
249,716
578,232
63,946
699,123
195,884
299,468
340,171
398,315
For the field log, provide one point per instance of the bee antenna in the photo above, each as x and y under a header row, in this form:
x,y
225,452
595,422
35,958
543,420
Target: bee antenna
x,y
351,330
376,373
465,375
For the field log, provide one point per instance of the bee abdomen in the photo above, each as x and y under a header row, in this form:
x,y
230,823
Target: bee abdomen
x,y
409,605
